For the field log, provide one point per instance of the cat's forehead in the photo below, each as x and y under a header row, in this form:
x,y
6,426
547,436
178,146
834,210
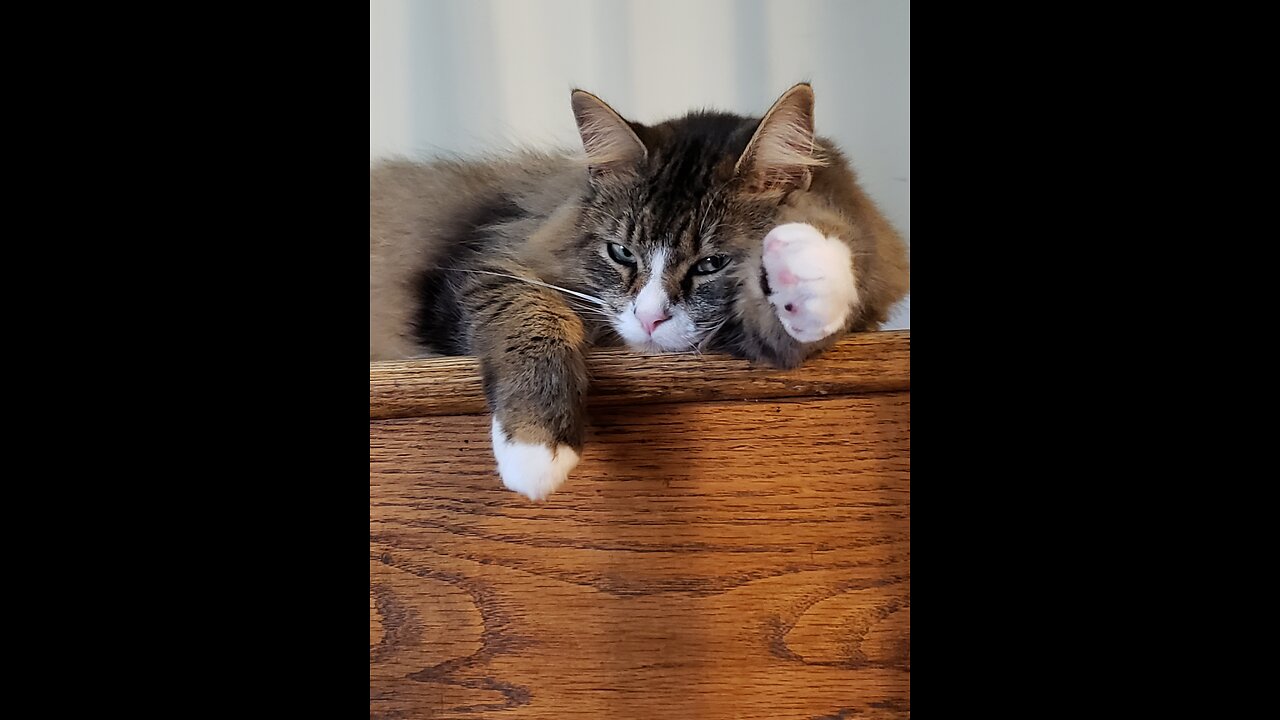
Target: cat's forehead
x,y
680,228
665,207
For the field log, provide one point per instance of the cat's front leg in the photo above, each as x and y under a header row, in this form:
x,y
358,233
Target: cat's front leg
x,y
810,281
795,299
531,346
536,386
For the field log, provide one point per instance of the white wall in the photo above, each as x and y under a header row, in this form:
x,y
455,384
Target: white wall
x,y
476,75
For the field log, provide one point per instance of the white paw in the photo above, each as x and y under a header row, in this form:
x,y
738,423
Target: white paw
x,y
811,278
531,470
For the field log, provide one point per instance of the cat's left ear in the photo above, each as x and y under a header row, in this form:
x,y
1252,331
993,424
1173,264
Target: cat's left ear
x,y
782,153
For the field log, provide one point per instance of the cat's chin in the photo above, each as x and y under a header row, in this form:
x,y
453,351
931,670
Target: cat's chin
x,y
648,345
653,348
645,346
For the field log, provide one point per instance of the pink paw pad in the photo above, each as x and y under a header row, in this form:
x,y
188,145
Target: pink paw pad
x,y
811,280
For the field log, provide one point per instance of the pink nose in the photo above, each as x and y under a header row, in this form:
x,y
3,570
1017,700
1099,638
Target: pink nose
x,y
651,322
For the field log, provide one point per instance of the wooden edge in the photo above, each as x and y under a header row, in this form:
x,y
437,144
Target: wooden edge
x,y
860,363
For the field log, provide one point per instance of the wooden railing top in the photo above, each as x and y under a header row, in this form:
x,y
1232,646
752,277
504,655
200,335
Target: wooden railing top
x,y
860,363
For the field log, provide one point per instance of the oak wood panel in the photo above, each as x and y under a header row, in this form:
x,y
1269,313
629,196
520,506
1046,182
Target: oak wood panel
x,y
862,362
706,560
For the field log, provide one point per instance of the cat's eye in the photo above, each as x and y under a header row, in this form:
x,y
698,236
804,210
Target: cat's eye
x,y
621,254
708,265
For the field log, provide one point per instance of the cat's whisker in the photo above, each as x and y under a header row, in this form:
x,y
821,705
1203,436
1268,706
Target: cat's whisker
x,y
575,293
595,314
582,307
708,334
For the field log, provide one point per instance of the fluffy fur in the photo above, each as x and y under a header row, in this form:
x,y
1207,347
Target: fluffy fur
x,y
713,231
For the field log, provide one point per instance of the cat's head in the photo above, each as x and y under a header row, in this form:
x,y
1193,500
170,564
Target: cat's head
x,y
675,212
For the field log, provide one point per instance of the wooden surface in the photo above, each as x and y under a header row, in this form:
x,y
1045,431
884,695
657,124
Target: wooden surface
x,y
867,362
709,559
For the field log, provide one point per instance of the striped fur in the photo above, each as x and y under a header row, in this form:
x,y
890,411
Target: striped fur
x,y
507,258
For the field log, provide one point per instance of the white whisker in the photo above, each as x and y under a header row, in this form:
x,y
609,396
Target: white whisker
x,y
575,293
580,306
706,338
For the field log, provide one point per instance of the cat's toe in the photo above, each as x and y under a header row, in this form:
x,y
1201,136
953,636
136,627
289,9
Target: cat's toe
x,y
811,282
533,470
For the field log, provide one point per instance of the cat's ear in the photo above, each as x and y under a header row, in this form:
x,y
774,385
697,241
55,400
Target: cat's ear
x,y
612,146
782,153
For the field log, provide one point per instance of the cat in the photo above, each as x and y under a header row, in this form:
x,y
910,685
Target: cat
x,y
713,231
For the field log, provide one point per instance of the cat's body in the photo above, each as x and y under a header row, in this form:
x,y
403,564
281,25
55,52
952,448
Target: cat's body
x,y
713,231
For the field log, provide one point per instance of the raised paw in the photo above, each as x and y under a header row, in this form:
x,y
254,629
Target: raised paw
x,y
533,470
810,279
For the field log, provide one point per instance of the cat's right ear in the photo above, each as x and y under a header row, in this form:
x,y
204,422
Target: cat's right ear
x,y
613,148
782,154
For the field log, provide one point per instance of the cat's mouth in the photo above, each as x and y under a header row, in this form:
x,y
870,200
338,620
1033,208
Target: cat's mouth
x,y
676,337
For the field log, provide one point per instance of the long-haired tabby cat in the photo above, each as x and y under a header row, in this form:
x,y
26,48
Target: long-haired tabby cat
x,y
713,231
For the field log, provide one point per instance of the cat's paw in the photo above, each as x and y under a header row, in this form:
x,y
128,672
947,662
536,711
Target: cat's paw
x,y
532,470
811,283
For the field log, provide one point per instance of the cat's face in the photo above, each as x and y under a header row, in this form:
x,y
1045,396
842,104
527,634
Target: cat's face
x,y
667,266
675,213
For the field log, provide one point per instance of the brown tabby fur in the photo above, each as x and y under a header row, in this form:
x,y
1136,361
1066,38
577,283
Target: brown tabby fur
x,y
708,182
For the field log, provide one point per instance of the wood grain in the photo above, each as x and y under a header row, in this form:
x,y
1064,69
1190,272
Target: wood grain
x,y
863,362
712,559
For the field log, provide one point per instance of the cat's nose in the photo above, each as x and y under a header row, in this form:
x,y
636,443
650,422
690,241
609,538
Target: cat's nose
x,y
650,320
